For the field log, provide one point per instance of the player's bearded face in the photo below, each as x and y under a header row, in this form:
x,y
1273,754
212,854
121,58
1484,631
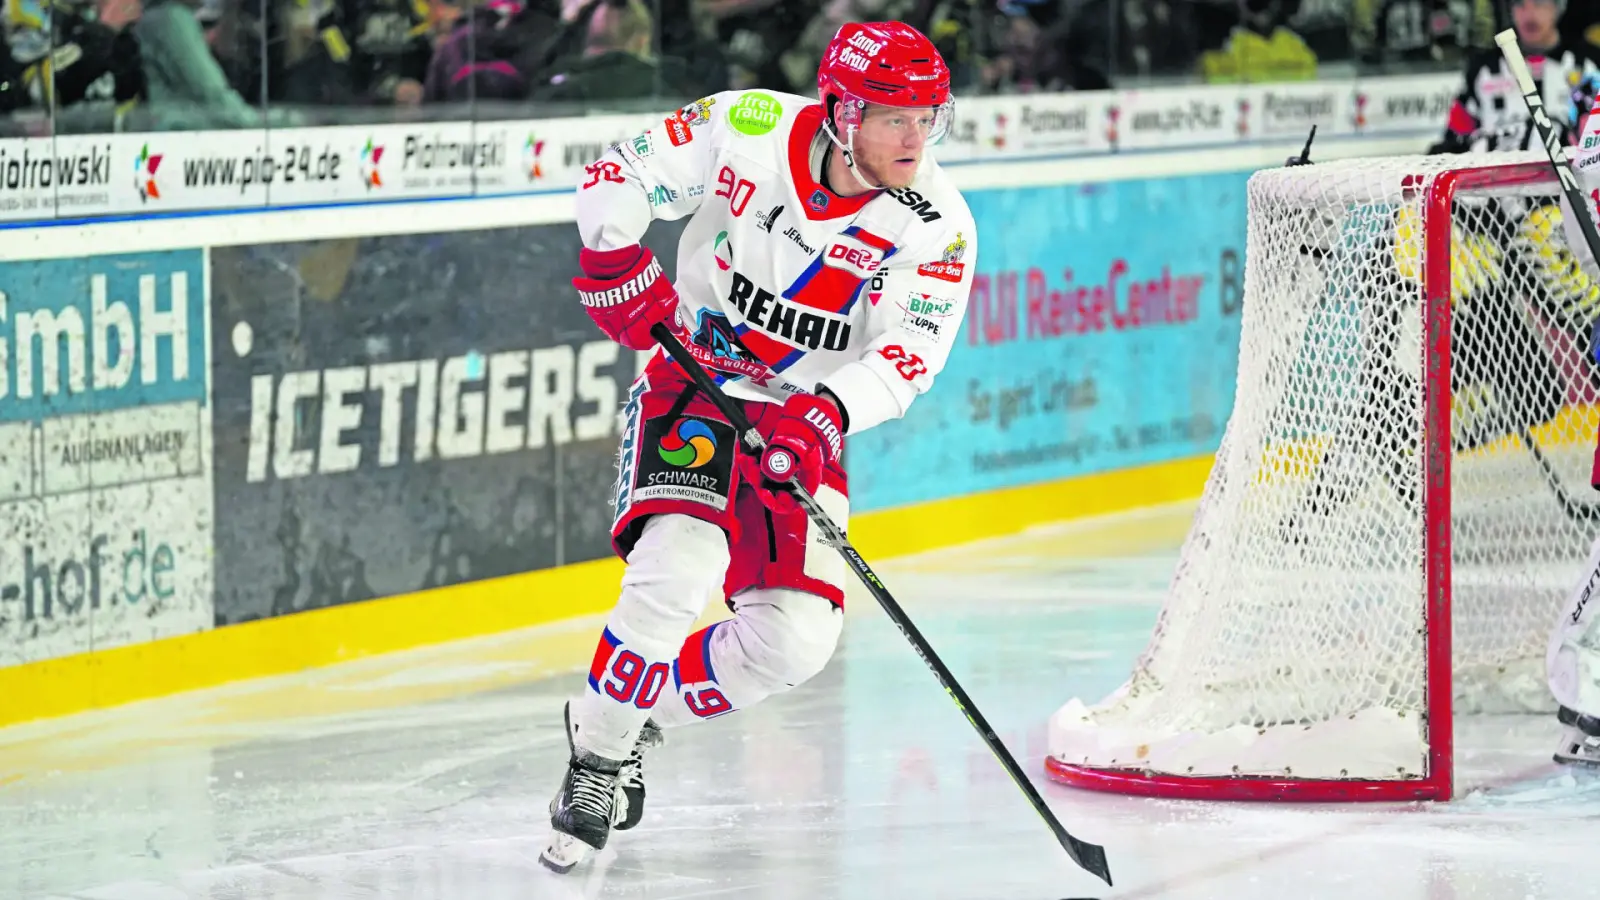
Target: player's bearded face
x,y
890,141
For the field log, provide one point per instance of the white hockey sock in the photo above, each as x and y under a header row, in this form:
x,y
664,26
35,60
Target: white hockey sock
x,y
672,571
776,640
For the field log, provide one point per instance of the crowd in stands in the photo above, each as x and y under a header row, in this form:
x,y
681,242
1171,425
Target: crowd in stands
x,y
163,64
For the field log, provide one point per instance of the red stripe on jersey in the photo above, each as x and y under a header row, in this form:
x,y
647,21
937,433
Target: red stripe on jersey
x,y
870,239
767,349
830,288
824,288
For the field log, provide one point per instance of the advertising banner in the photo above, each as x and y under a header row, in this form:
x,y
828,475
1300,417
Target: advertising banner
x,y
408,412
41,178
1103,336
74,176
1403,103
382,162
552,153
1178,117
1288,111
105,456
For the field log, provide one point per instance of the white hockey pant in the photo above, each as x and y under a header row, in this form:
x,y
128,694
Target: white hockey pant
x,y
648,666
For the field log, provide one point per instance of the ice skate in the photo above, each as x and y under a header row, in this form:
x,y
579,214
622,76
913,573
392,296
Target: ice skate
x,y
582,811
1580,742
630,780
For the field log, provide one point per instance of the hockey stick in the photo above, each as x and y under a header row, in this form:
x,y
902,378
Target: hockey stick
x,y
1580,511
1531,97
1547,136
1092,857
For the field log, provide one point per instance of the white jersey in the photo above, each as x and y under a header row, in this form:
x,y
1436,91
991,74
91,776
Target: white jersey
x,y
789,286
1585,159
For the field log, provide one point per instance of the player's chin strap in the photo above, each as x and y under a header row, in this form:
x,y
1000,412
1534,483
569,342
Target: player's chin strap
x,y
848,149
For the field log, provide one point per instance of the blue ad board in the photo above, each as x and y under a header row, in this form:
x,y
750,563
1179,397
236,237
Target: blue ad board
x,y
98,333
105,450
1102,333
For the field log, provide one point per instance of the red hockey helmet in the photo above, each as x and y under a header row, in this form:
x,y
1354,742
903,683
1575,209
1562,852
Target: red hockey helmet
x,y
888,63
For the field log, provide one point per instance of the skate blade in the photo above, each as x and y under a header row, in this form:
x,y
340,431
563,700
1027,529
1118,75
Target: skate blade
x,y
563,853
1582,763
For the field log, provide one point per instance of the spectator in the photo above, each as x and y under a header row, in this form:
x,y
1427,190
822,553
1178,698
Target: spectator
x,y
756,34
1420,31
1580,24
1153,39
689,33
187,86
480,55
1262,47
617,62
309,56
955,28
1040,50
233,32
61,56
390,45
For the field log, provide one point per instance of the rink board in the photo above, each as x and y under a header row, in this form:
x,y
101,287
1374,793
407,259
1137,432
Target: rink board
x,y
348,525
105,454
345,632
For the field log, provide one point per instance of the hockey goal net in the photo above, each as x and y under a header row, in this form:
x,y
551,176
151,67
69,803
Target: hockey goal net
x,y
1400,503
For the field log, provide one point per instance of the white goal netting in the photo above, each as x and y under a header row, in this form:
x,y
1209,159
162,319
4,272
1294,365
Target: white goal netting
x,y
1295,639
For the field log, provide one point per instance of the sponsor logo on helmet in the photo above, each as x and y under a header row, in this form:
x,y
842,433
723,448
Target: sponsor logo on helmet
x,y
865,44
854,60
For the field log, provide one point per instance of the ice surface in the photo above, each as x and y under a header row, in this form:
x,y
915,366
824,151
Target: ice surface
x,y
426,775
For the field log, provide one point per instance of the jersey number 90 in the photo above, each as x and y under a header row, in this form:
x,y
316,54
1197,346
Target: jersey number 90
x,y
736,189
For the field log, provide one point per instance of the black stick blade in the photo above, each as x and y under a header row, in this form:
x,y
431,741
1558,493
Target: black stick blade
x,y
1092,857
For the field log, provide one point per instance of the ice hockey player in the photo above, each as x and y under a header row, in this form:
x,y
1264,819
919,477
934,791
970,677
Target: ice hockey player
x,y
1488,113
822,276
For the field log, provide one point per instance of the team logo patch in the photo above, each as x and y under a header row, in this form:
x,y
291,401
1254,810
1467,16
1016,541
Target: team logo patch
x,y
692,461
698,112
688,445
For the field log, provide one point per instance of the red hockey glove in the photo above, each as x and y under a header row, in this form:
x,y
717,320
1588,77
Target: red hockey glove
x,y
807,437
625,293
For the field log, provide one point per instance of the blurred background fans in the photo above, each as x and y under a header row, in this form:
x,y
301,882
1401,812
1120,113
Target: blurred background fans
x,y
132,65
